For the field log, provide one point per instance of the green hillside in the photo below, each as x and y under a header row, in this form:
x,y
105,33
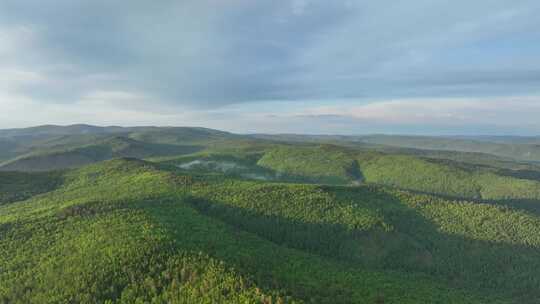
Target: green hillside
x,y
445,177
463,244
127,231
213,217
124,212
326,164
338,165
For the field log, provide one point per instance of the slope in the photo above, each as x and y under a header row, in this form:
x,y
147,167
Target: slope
x,y
519,151
486,248
182,135
7,149
124,231
325,163
334,164
43,139
17,186
60,158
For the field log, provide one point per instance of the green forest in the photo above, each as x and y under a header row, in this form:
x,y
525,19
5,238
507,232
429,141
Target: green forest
x,y
191,215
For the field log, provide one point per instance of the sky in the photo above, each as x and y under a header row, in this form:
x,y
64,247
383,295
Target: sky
x,y
290,66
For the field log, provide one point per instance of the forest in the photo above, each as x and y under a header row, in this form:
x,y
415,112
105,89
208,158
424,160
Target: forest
x,y
190,215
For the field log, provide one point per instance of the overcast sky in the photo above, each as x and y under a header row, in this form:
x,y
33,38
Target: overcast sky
x,y
303,66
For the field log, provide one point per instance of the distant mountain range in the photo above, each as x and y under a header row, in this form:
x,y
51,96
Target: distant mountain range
x,y
56,147
515,147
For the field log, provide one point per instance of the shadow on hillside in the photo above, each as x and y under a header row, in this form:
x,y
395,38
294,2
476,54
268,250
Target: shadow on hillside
x,y
19,186
520,173
527,205
532,206
415,246
355,173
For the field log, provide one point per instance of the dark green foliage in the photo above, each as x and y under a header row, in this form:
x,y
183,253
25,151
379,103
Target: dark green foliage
x,y
18,186
8,149
111,147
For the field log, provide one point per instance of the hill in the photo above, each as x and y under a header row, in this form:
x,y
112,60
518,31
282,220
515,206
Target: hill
x,y
181,135
57,147
57,157
518,150
500,152
334,164
515,148
215,217
471,158
125,230
323,164
18,186
456,174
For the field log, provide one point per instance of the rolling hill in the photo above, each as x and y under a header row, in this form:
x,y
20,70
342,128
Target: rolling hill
x,y
58,147
215,217
334,164
112,147
528,151
125,230
509,147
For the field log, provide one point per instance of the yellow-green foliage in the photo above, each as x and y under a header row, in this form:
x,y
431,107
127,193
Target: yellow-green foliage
x,y
126,231
338,165
447,178
504,187
97,239
410,172
467,245
327,164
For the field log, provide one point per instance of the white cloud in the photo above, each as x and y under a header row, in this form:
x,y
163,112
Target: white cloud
x,y
506,111
101,108
517,115
11,77
217,63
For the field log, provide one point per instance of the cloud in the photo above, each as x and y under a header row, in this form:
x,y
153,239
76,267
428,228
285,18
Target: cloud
x,y
508,115
209,56
433,111
466,116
